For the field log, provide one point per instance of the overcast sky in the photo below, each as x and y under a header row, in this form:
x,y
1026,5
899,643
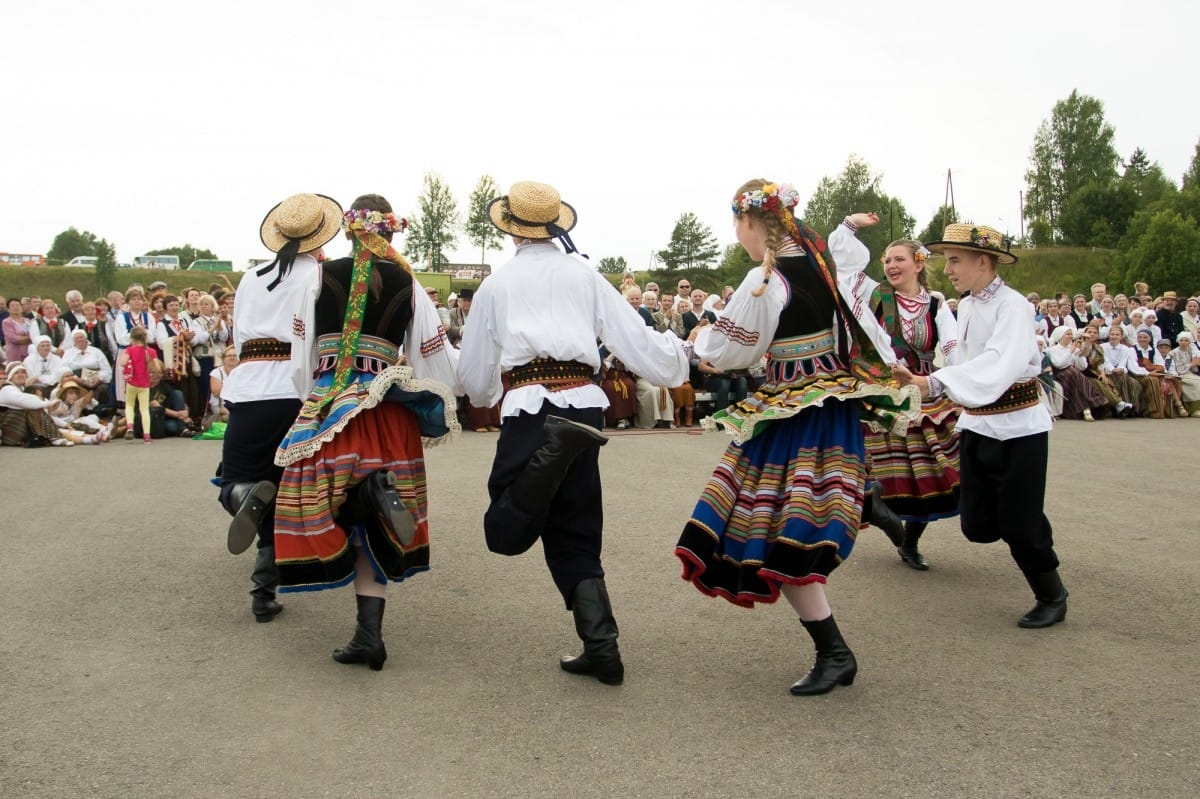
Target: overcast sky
x,y
159,124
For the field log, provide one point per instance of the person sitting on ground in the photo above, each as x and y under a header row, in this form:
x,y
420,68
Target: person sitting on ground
x,y
1081,398
1186,361
1122,367
24,417
1157,399
1170,378
216,379
74,415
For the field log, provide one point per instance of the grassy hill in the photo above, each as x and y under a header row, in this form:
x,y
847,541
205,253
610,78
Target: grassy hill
x,y
55,282
1047,271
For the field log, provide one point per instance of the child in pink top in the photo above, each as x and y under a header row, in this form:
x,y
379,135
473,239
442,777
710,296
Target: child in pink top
x,y
135,365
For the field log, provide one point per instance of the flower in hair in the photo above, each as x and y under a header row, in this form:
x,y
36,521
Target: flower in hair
x,y
771,197
373,222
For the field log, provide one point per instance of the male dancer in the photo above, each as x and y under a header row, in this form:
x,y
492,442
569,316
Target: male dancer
x,y
263,393
1004,428
545,480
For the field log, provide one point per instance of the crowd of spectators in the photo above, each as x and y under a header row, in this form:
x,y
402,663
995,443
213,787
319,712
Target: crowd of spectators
x,y
1121,356
62,382
1104,356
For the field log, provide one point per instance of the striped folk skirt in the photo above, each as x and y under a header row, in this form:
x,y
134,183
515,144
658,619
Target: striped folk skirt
x,y
918,471
314,522
783,507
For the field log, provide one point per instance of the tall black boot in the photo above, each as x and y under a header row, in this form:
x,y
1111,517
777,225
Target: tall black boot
x,y
908,550
367,644
265,579
379,494
835,663
249,504
875,511
563,441
1051,607
597,629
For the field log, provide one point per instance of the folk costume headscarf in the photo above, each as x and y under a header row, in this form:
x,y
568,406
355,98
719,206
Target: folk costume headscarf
x,y
367,228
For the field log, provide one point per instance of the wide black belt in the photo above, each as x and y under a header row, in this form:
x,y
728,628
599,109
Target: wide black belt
x,y
265,349
1016,397
553,375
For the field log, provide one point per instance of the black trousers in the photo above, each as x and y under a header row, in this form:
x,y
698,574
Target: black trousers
x,y
252,435
570,530
1002,490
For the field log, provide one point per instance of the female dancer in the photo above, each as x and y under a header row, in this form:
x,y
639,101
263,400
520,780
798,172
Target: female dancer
x,y
783,506
918,470
352,502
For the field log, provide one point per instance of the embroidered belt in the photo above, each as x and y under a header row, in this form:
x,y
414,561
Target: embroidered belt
x,y
1018,397
553,375
797,347
372,355
265,349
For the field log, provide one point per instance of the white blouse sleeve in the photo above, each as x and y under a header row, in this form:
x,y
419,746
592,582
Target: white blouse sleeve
x,y
478,364
947,330
1000,363
303,360
428,347
745,329
852,257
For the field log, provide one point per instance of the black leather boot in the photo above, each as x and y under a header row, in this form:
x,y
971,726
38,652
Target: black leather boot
x,y
835,663
875,511
249,503
378,492
908,550
597,629
265,579
1051,607
367,644
563,441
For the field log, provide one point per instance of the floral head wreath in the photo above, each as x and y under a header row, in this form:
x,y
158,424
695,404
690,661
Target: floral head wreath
x,y
373,222
772,197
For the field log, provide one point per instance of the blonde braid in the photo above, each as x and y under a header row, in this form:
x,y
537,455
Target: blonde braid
x,y
774,230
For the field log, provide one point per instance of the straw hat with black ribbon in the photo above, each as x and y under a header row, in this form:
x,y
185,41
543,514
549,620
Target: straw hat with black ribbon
x,y
534,211
300,224
975,237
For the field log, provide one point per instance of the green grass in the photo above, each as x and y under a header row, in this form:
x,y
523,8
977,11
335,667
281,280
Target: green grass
x,y
55,282
1047,271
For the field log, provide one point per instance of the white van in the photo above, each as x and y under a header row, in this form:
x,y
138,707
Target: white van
x,y
83,260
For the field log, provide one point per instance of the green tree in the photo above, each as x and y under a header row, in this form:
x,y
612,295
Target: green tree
x,y
1071,149
72,243
735,263
1146,179
187,253
434,228
1191,178
857,188
612,266
106,265
1167,254
942,217
1097,214
692,245
479,228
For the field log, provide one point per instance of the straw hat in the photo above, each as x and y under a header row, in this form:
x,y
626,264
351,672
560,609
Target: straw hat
x,y
1170,295
528,208
975,237
66,384
311,219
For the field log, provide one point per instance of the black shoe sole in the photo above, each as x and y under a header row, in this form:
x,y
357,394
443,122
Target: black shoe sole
x,y
244,527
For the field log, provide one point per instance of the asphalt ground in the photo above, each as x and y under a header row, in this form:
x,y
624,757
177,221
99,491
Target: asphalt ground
x,y
130,665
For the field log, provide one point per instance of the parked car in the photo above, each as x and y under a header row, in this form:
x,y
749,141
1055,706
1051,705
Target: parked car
x,y
88,261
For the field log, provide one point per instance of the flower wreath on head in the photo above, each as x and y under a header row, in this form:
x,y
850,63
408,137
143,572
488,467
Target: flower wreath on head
x,y
373,222
771,197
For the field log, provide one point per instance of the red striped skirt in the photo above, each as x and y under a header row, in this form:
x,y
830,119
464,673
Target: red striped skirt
x,y
312,547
